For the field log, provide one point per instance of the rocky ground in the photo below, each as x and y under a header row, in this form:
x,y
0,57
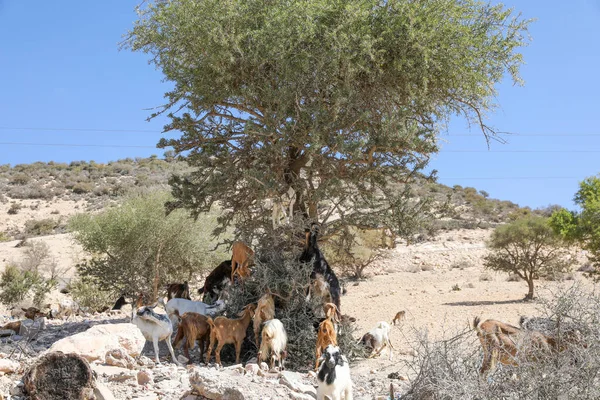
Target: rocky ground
x,y
440,284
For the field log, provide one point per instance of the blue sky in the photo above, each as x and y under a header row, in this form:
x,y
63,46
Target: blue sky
x,y
60,68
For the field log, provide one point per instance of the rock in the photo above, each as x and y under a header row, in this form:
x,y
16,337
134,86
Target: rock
x,y
301,396
102,392
293,380
6,332
119,358
8,366
29,327
122,377
144,377
217,386
252,368
264,366
182,359
59,376
94,343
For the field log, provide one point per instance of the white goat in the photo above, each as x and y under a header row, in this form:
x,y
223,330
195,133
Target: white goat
x,y
333,377
154,327
274,339
378,338
181,306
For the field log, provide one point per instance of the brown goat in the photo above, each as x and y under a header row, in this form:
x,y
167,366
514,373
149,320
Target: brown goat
x,y
14,326
400,315
194,327
265,311
506,343
241,259
229,331
325,336
33,313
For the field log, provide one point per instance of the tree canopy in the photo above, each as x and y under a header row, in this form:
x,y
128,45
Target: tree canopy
x,y
583,226
529,248
320,110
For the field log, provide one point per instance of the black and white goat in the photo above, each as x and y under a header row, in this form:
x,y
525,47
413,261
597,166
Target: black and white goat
x,y
216,281
333,377
322,272
154,327
178,290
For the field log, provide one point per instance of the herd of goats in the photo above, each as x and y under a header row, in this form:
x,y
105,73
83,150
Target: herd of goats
x,y
196,321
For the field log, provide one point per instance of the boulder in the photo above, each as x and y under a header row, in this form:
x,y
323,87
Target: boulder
x,y
94,343
145,377
59,376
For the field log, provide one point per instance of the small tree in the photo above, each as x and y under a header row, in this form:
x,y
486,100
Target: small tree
x,y
582,227
529,248
137,247
354,250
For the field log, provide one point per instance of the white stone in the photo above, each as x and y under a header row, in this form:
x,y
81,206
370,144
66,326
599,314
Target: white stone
x,y
94,343
9,366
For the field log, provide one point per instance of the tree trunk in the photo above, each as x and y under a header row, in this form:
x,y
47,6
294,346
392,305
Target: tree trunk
x,y
530,293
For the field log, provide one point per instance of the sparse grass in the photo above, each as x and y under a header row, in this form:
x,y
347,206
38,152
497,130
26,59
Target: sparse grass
x,y
513,278
462,264
14,208
40,227
456,288
427,267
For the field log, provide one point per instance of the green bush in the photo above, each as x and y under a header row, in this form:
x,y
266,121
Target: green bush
x,y
4,237
90,295
20,179
82,187
16,284
14,208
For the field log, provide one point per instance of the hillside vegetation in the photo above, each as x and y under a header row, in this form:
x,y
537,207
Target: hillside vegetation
x,y
36,199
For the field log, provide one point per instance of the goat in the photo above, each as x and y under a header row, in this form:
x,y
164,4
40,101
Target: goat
x,y
178,290
14,326
506,343
325,336
242,257
119,303
216,281
274,339
181,306
265,310
334,380
194,327
321,269
154,327
400,315
229,331
67,308
33,313
378,339
564,333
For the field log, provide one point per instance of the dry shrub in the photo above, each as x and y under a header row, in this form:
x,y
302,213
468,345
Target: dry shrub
x,y
486,277
427,267
448,369
462,264
413,268
279,272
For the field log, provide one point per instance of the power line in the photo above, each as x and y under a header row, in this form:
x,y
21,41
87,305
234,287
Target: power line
x,y
5,128
77,145
502,134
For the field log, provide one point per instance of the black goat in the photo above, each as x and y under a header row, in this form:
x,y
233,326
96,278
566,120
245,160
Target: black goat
x,y
216,281
312,254
178,290
119,303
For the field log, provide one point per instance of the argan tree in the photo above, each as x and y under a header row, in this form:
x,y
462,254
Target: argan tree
x,y
583,227
135,247
529,248
320,110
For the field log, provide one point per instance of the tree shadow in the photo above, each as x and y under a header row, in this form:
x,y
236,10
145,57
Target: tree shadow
x,y
485,302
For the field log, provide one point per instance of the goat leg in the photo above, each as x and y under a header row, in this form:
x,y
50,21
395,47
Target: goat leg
x,y
172,352
155,343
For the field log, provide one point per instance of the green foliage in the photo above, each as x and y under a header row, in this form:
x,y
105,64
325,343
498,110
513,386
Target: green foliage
x,y
529,248
16,284
82,187
20,179
583,227
4,237
328,108
136,247
90,295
